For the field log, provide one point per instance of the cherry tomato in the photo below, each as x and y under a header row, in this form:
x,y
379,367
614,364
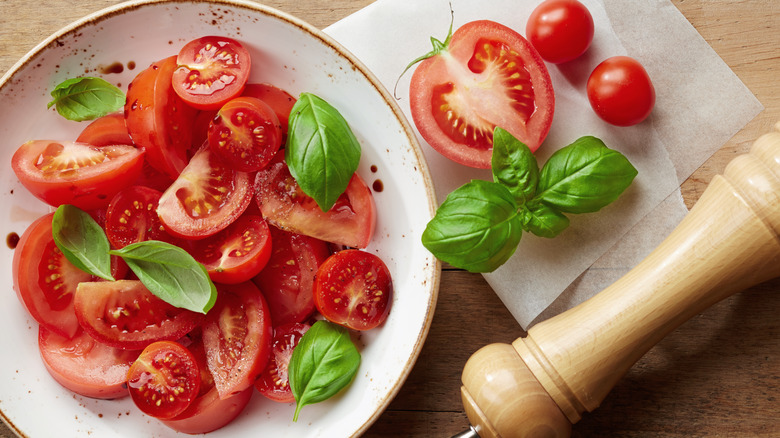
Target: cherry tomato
x,y
206,198
66,172
353,288
164,380
560,30
491,76
620,91
274,382
132,217
106,131
279,100
245,133
211,71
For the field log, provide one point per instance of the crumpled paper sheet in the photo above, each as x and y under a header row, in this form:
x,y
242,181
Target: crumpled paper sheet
x,y
700,104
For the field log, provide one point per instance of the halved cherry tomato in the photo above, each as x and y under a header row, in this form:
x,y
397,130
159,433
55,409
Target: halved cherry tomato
x,y
353,288
106,131
124,314
246,133
211,70
279,100
287,281
237,336
349,222
490,76
560,30
206,198
164,380
66,172
132,217
274,382
620,91
84,365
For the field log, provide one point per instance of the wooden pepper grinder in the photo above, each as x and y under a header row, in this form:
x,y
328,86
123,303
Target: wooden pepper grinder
x,y
541,384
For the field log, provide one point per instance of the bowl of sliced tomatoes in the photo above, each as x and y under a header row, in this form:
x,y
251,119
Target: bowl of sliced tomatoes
x,y
213,216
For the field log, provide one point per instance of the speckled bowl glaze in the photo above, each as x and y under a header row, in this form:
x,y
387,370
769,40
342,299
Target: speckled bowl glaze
x,y
116,44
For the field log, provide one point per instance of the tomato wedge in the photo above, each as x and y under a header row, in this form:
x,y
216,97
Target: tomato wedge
x,y
489,76
106,131
274,382
132,217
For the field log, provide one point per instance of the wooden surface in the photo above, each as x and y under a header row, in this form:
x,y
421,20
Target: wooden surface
x,y
717,375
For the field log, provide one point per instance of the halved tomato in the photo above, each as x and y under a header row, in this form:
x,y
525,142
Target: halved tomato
x,y
279,100
106,131
488,76
132,217
274,382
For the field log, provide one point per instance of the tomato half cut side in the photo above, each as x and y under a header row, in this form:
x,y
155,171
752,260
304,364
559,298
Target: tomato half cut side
x,y
106,131
491,76
274,382
132,217
279,100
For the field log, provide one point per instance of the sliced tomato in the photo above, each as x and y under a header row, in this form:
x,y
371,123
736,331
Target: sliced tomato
x,y
106,131
132,217
158,120
84,365
489,76
66,172
124,314
200,129
153,178
211,71
274,382
279,100
237,335
353,288
349,222
206,198
164,380
287,281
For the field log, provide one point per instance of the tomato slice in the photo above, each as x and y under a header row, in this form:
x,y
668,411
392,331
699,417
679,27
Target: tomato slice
x,y
237,335
353,288
490,76
287,281
274,382
84,365
106,131
206,198
349,222
66,172
279,100
211,71
132,217
164,380
124,314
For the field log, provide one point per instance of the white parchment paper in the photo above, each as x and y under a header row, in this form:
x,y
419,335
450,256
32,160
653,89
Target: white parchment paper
x,y
700,104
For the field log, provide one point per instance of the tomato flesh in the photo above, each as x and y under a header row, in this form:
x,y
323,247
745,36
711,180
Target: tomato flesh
x,y
279,100
274,382
132,217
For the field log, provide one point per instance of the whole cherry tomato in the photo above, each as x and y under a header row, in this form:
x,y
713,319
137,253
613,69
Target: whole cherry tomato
x,y
620,91
560,30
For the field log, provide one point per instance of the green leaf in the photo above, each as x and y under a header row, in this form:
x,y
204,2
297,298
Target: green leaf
x,y
584,177
86,98
543,220
476,228
82,241
171,274
321,151
514,166
324,361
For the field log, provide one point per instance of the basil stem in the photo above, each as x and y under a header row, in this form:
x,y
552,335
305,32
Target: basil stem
x,y
86,98
82,241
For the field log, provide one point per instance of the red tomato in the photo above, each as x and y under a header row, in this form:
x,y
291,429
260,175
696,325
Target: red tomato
x,y
200,133
349,222
237,253
620,91
560,30
211,71
491,76
158,120
84,365
279,100
164,380
153,178
66,172
206,198
106,131
124,314
287,281
274,382
237,336
132,217
353,288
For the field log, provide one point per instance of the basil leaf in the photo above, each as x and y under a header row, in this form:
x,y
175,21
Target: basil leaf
x,y
86,98
82,241
514,165
321,150
171,274
324,361
543,220
584,176
476,228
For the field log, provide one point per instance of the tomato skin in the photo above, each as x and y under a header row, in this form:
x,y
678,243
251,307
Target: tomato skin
x,y
106,131
457,99
132,217
620,91
279,100
274,383
353,288
560,30
66,172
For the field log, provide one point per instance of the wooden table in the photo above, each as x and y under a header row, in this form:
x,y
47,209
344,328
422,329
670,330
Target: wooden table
x,y
717,375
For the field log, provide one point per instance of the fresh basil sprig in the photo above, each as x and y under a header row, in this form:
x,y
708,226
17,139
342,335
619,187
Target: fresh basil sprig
x,y
86,98
82,241
324,361
321,150
479,225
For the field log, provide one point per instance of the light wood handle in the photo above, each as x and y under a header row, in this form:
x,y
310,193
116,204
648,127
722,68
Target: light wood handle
x,y
541,384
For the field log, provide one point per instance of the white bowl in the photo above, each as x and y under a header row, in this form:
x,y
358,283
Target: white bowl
x,y
292,55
